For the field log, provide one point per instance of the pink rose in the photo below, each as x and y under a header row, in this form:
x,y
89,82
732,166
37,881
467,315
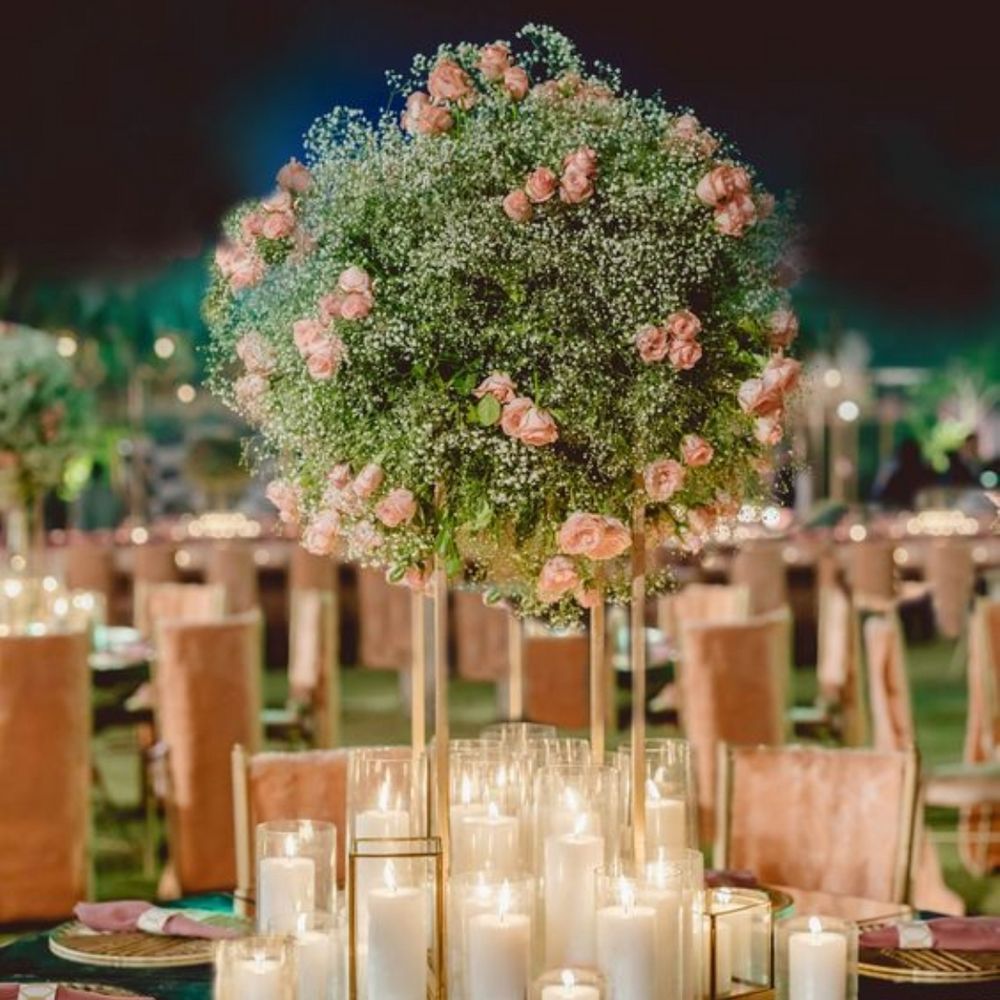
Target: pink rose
x,y
339,476
518,207
499,385
330,306
308,334
516,83
580,534
734,216
418,578
758,399
663,478
541,185
684,354
696,450
344,500
279,201
294,177
587,597
449,82
558,577
286,498
687,129
365,537
325,358
494,61
256,356
423,118
652,342
537,428
513,415
397,508
583,160
278,225
250,391
783,374
355,306
722,183
355,279
252,225
410,119
368,480
615,540
783,327
320,537
768,430
683,325
701,520
576,187
245,269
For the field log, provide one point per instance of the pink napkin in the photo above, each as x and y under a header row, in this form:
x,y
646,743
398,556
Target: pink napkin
x,y
10,991
718,877
942,933
124,916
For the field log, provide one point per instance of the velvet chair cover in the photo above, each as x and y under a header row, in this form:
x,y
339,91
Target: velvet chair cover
x,y
951,575
699,603
208,700
836,821
160,602
45,785
732,690
91,566
231,566
872,573
311,572
759,568
308,784
482,648
313,656
154,562
383,621
556,671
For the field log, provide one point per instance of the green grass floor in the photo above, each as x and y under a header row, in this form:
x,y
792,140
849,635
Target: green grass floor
x,y
374,712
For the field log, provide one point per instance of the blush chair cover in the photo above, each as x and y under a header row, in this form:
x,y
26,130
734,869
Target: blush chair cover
x,y
840,665
311,572
759,567
699,603
231,566
208,700
307,784
872,573
951,576
313,656
482,647
836,821
45,785
160,602
155,562
556,671
90,566
384,622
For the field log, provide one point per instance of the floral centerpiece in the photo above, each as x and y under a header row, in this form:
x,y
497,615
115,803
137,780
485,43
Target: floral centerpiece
x,y
494,323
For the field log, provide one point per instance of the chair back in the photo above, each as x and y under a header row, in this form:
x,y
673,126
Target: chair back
x,y
951,573
45,787
701,603
888,685
556,668
155,562
313,661
91,566
231,566
307,784
819,819
840,666
207,701
160,602
383,622
482,637
760,569
311,572
872,572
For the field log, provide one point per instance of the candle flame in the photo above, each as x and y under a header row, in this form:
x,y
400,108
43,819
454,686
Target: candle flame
x,y
389,876
466,790
580,824
504,901
291,846
383,796
572,800
568,979
626,894
815,925
652,792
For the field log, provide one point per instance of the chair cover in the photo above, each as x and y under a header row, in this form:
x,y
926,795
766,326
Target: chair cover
x,y
231,566
208,700
951,575
45,786
311,572
760,569
699,603
313,656
482,647
836,821
91,566
154,563
872,572
384,622
160,602
556,671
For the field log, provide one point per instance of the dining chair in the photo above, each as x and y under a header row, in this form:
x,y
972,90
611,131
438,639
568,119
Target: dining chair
x,y
155,562
759,567
383,622
701,602
314,666
819,819
207,677
840,674
482,637
156,602
232,567
45,787
872,573
90,565
311,572
950,573
556,667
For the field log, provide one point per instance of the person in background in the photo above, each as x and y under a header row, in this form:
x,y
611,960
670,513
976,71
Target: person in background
x,y
98,507
964,465
904,478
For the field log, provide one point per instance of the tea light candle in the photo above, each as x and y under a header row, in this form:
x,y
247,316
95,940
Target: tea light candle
x,y
286,888
666,822
626,946
397,941
817,964
258,978
569,989
490,841
570,862
499,953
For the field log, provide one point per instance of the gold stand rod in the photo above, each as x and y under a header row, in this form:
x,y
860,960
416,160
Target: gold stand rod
x,y
598,683
418,672
515,682
637,634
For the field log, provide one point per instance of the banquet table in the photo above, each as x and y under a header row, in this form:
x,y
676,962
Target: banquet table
x,y
28,959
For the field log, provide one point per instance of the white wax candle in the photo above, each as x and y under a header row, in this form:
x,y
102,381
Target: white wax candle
x,y
461,854
670,951
569,989
817,965
666,826
257,978
315,962
286,888
397,944
491,842
385,823
626,936
499,950
570,863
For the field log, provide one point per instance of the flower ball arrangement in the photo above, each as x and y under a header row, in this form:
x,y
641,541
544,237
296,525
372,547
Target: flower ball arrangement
x,y
496,323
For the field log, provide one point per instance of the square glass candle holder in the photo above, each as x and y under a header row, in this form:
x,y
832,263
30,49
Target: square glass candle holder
x,y
396,919
816,957
296,873
255,968
569,984
736,943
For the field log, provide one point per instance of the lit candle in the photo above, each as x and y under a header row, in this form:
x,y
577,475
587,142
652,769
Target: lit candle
x,y
626,936
570,862
739,919
666,823
569,989
491,841
397,941
315,962
258,978
817,964
286,888
379,823
671,951
464,809
499,953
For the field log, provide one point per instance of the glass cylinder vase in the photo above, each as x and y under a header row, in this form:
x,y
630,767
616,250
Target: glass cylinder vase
x,y
255,968
569,984
816,957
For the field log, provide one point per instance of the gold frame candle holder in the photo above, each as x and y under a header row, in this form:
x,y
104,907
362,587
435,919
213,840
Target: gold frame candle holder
x,y
396,931
816,957
296,873
736,944
255,968
569,984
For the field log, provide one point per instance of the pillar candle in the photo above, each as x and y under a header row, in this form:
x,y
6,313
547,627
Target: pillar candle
x,y
817,964
315,961
286,888
670,951
491,841
499,949
626,941
461,853
666,826
397,942
570,862
739,919
258,978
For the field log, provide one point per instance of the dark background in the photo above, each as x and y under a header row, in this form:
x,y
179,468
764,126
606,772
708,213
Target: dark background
x,y
130,127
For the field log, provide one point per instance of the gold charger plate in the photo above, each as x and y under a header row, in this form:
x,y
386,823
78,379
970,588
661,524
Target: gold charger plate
x,y
136,949
918,965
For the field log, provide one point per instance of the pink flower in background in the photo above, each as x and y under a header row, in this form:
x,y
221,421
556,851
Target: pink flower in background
x,y
768,430
308,334
663,478
684,354
320,537
722,183
614,541
541,185
537,428
575,187
683,325
294,177
330,306
494,61
499,385
734,216
757,399
701,520
368,480
583,160
696,450
397,508
339,476
652,342
279,201
557,578
687,129
587,597
252,225
325,358
353,299
783,373
278,225
365,537
251,391
246,269
286,498
344,500
783,327
355,279
516,83
518,207
355,306
410,119
580,534
513,415
449,82
257,356
418,578
423,118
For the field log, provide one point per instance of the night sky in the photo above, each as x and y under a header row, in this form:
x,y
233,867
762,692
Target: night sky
x,y
129,128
